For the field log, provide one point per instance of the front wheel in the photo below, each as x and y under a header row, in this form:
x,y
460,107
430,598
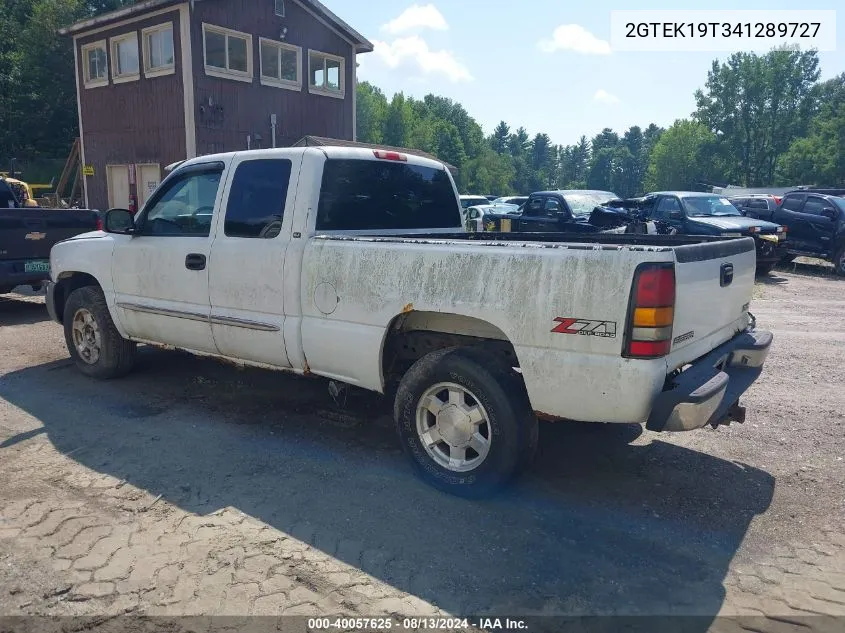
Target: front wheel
x,y
464,419
765,269
92,339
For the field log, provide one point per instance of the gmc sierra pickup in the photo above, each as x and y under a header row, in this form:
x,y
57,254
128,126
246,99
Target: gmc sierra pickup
x,y
352,264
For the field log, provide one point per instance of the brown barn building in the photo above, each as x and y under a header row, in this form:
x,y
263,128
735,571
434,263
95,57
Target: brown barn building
x,y
164,80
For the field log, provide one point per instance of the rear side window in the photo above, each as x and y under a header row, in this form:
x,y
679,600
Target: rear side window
x,y
256,202
793,203
758,203
366,195
814,206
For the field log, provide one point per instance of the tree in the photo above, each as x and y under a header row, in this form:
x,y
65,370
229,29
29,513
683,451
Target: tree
x,y
819,159
606,139
499,140
518,142
490,172
448,144
399,122
679,159
756,106
371,111
37,88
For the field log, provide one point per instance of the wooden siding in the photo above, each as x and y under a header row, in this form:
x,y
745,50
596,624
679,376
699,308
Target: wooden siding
x,y
139,121
227,111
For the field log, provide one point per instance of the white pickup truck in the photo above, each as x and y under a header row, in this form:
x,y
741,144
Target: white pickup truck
x,y
352,264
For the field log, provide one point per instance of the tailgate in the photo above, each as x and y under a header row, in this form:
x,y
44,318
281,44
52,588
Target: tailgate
x,y
29,233
714,283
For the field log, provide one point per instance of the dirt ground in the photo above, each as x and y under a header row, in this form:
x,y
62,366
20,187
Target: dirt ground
x,y
193,487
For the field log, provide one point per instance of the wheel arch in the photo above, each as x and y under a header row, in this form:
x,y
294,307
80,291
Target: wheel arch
x,y
66,283
413,334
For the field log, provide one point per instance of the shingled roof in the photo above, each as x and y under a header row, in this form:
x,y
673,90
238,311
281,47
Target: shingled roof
x,y
361,43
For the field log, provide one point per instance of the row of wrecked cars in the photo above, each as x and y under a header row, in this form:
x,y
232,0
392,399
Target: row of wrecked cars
x,y
659,213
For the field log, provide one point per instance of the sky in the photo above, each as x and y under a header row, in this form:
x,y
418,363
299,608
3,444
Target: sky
x,y
546,65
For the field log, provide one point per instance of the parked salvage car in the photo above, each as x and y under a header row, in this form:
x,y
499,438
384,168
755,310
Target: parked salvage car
x,y
516,200
695,213
369,279
758,206
469,201
553,211
484,217
816,225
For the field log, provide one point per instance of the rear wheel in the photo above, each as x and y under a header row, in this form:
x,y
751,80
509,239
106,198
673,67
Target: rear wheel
x,y
839,262
464,419
92,339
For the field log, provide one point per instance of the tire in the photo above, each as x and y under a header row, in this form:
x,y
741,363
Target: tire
x,y
486,388
765,269
786,259
103,353
839,262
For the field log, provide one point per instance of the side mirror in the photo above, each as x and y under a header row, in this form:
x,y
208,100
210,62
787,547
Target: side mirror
x,y
676,215
119,221
829,212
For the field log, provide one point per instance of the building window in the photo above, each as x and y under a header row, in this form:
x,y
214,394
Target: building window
x,y
281,64
228,53
326,74
95,68
124,58
158,50
280,8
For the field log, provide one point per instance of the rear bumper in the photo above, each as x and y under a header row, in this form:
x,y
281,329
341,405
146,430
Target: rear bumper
x,y
708,391
50,300
12,274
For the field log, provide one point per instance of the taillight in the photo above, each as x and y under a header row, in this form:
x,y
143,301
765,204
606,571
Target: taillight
x,y
99,223
385,155
649,331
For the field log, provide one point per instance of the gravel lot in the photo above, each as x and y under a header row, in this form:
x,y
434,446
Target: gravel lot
x,y
194,487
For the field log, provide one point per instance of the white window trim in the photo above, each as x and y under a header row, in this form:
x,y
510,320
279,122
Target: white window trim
x,y
113,43
225,73
341,94
275,10
160,71
280,83
94,83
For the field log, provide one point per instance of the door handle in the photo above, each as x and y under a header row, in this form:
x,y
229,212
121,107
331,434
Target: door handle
x,y
195,261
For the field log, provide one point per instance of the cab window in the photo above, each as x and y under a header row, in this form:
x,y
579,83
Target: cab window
x,y
184,206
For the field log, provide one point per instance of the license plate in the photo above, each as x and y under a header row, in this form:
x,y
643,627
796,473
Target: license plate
x,y
41,266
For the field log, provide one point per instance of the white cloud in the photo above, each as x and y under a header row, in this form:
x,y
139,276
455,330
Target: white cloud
x,y
603,96
574,37
417,17
414,51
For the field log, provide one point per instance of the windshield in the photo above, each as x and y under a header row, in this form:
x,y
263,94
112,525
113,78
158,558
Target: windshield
x,y
840,202
699,206
584,203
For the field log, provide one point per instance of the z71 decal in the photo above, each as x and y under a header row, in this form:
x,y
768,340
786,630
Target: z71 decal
x,y
585,327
